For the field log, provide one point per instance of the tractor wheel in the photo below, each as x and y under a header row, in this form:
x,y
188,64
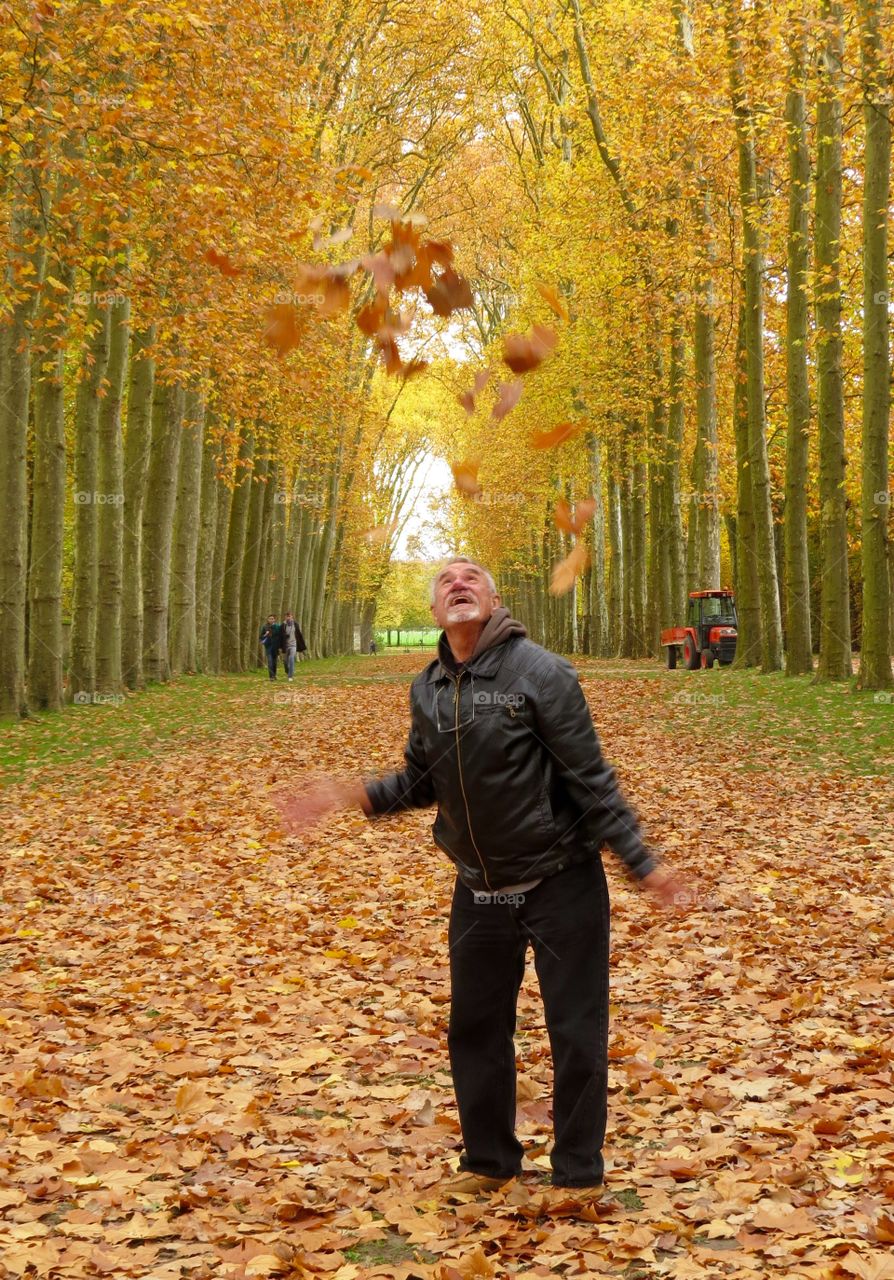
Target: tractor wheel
x,y
671,657
707,658
691,655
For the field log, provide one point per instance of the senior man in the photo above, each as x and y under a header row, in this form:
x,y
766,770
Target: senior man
x,y
501,739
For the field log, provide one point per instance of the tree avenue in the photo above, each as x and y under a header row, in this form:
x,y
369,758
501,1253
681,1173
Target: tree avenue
x,y
625,267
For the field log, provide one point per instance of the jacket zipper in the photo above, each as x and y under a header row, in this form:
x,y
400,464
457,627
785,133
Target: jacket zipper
x,y
457,681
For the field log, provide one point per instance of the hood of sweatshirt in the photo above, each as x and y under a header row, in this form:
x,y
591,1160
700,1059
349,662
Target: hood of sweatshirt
x,y
499,627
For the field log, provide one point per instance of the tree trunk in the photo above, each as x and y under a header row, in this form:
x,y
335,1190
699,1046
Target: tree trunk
x,y
137,447
835,629
875,649
249,624
758,465
82,682
24,269
184,551
748,644
616,586
230,646
221,535
207,541
799,645
110,520
263,600
158,527
45,691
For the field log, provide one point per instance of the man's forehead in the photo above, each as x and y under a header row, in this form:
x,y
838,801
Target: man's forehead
x,y
460,564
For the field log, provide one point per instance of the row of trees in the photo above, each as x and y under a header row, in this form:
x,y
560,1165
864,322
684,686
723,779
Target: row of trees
x,y
189,434
711,189
194,430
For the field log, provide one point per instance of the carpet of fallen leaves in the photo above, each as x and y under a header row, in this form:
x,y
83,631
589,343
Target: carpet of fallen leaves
x,y
223,1049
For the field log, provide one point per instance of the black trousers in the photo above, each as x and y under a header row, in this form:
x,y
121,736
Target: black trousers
x,y
566,920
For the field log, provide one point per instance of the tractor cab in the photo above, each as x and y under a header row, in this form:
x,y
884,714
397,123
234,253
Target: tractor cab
x,y
709,634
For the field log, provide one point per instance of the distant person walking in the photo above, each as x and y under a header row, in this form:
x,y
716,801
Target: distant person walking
x,y
271,638
292,643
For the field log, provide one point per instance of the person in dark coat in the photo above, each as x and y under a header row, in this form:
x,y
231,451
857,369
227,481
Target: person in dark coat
x,y
271,638
502,741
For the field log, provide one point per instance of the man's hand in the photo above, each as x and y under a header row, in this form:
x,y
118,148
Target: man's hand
x,y
669,889
309,807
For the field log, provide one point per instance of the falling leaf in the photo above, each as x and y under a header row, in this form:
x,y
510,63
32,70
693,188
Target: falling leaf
x,y
555,302
558,435
390,212
284,330
220,260
508,396
522,353
574,521
467,398
381,533
567,570
465,477
449,292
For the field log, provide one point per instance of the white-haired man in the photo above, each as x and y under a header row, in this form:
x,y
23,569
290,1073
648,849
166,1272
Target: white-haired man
x,y
501,739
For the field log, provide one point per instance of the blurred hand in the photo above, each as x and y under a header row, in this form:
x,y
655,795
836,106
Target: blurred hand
x,y
669,889
305,810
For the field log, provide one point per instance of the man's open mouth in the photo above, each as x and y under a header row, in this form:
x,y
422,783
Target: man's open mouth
x,y
460,597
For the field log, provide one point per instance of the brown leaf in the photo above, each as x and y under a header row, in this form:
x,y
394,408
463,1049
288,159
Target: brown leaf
x,y
225,265
449,292
522,353
508,396
465,477
573,521
553,299
565,572
558,435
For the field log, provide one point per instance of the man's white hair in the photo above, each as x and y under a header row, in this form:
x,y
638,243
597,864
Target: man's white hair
x,y
488,576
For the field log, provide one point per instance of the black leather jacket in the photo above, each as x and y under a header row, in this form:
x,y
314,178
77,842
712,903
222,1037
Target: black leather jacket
x,y
506,748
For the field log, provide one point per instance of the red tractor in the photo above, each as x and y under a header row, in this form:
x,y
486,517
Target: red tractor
x,y
710,632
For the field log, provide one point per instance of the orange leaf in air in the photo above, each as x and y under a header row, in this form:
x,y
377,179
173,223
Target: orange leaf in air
x,y
508,396
220,260
553,300
523,353
467,398
465,477
381,533
558,435
449,292
565,572
284,330
573,521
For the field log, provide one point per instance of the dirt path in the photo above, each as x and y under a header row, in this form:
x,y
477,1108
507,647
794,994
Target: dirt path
x,y
223,1050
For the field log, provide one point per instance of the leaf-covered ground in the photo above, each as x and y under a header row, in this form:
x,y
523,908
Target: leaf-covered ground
x,y
223,1049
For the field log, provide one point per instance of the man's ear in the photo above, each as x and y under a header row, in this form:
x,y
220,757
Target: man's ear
x,y
432,607
497,600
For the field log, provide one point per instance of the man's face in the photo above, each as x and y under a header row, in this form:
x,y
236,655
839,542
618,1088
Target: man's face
x,y
462,594
271,619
